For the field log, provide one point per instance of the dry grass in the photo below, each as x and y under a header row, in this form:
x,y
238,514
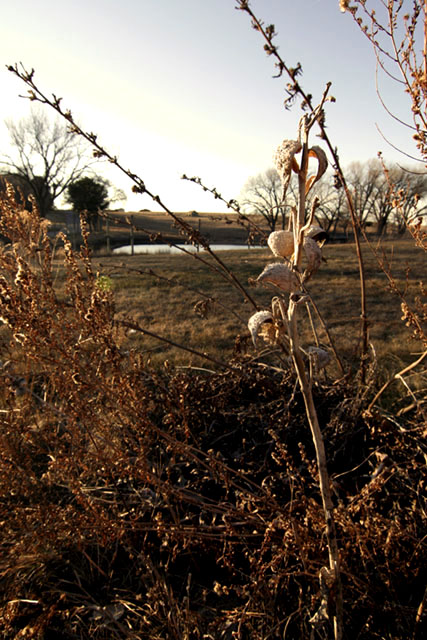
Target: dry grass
x,y
143,500
149,502
169,308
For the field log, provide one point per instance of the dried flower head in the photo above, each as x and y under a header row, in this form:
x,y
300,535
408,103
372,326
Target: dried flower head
x,y
281,243
344,5
281,276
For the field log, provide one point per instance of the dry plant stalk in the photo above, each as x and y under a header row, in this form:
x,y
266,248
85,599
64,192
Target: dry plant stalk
x,y
398,35
96,311
295,90
289,278
113,473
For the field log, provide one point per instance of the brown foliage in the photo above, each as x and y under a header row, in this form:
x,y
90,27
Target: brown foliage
x,y
142,503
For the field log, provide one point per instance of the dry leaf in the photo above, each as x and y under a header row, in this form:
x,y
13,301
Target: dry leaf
x,y
320,155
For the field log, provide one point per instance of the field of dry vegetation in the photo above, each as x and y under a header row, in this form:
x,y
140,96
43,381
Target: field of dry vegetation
x,y
216,446
185,301
145,499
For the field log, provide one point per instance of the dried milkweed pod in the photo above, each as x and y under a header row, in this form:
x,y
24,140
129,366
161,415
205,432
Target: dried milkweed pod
x,y
320,155
285,161
314,257
320,357
257,322
281,243
281,276
318,234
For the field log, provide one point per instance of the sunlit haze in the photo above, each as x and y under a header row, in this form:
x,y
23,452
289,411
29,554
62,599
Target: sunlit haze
x,y
175,87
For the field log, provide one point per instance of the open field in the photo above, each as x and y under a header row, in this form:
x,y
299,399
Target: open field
x,y
165,293
182,299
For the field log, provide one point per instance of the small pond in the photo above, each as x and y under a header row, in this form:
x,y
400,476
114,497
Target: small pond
x,y
166,249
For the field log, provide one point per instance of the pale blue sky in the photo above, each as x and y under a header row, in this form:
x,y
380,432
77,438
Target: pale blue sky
x,y
184,86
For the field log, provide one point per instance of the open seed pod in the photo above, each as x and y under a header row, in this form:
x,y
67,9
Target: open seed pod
x,y
320,155
281,276
281,243
285,161
318,234
257,322
314,257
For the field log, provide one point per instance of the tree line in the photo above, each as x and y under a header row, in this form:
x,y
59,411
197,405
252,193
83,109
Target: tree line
x,y
51,161
383,197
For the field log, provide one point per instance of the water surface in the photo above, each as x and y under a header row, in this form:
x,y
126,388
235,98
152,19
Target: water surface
x,y
166,249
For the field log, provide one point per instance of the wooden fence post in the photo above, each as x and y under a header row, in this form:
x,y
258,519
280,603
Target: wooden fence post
x,y
107,232
132,239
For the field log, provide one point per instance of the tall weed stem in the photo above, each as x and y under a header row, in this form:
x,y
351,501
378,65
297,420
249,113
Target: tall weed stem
x,y
295,90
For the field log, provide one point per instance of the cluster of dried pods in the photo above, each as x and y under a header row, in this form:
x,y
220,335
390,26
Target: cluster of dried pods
x,y
286,276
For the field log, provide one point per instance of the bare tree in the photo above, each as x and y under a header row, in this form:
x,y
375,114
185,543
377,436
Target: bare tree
x,y
116,195
263,194
48,157
365,181
408,191
331,212
378,192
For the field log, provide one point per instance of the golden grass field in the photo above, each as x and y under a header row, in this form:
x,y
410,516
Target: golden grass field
x,y
162,293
